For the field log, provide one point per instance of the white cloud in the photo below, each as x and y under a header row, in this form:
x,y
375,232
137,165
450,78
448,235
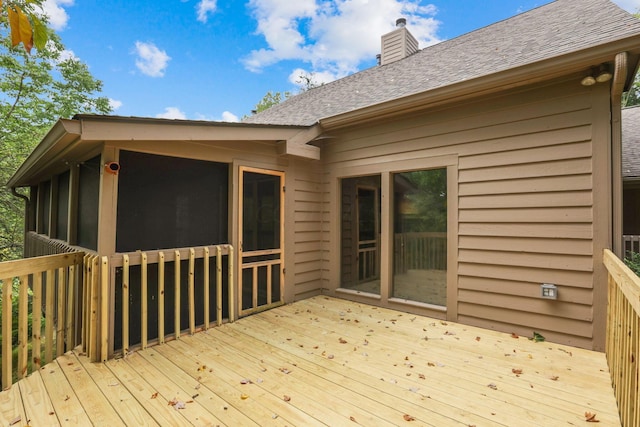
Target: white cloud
x,y
172,113
204,8
632,6
228,116
58,17
151,60
333,36
115,104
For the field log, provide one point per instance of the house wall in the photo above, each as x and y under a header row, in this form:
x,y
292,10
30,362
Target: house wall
x,y
530,205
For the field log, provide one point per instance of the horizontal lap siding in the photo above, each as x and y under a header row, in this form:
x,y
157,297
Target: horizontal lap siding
x,y
526,204
526,218
307,229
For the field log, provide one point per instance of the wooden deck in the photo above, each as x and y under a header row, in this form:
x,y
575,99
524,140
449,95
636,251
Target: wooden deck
x,y
324,361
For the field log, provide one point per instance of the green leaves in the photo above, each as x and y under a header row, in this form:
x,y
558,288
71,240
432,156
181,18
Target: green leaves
x,y
35,91
537,337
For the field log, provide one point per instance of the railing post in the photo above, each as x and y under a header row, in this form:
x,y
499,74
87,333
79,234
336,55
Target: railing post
x,y
125,304
36,322
205,280
104,309
7,369
232,312
219,286
144,288
176,296
161,298
23,326
191,291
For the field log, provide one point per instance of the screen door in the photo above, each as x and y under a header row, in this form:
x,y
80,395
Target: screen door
x,y
261,239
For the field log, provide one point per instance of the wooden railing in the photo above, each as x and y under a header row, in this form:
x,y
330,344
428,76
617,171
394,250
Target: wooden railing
x,y
49,284
623,337
420,251
631,243
39,244
203,265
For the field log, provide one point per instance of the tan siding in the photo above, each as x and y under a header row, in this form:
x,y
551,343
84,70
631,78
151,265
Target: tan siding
x,y
528,185
525,201
307,229
522,289
534,245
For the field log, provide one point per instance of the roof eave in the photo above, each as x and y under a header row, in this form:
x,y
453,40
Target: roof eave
x,y
523,75
60,137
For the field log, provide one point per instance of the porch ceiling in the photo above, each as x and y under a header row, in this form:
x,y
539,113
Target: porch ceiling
x,y
325,361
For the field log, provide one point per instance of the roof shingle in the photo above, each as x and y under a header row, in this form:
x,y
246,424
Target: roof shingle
x,y
552,30
631,142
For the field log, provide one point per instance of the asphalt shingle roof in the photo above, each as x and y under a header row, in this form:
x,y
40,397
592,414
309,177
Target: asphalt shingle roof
x,y
552,30
631,142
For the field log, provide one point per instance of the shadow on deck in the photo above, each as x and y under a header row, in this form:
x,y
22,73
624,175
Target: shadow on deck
x,y
324,361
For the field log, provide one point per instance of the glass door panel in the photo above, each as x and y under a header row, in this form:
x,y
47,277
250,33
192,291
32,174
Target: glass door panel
x,y
360,234
420,236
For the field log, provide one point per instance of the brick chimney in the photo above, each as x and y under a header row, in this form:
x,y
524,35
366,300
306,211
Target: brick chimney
x,y
398,44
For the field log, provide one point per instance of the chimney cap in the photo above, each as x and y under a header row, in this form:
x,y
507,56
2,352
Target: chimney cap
x,y
401,22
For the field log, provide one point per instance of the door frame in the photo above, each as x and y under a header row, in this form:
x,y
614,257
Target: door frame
x,y
255,265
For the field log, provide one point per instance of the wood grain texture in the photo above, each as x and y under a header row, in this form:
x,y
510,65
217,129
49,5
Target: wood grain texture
x,y
325,361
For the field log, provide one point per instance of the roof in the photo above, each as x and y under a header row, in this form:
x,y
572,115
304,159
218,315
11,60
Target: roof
x,y
631,142
554,30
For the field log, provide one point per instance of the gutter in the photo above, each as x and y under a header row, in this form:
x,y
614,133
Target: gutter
x,y
620,79
26,217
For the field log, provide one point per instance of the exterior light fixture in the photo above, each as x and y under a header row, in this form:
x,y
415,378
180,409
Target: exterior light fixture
x,y
588,81
604,75
600,74
548,291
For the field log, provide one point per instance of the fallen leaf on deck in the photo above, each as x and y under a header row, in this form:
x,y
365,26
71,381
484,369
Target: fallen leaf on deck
x,y
331,356
444,323
285,371
590,418
16,420
202,368
246,381
516,371
154,395
342,341
492,386
408,417
66,398
431,364
449,333
514,335
244,396
286,398
537,337
179,405
478,338
353,419
421,376
554,378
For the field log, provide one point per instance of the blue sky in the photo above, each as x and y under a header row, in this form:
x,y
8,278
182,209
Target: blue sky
x,y
215,59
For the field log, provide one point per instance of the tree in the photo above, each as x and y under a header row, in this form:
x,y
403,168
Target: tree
x,y
632,97
306,81
35,90
269,100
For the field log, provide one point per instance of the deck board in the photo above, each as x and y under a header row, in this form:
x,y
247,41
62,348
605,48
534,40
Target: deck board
x,y
325,361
